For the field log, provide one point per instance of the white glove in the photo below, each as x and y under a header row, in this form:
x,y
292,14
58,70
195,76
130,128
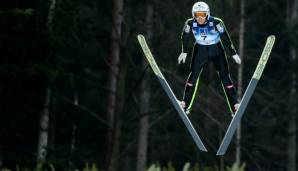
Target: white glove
x,y
182,57
237,58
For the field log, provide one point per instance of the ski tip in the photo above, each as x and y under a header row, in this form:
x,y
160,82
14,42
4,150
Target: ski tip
x,y
271,36
140,36
202,147
205,150
220,152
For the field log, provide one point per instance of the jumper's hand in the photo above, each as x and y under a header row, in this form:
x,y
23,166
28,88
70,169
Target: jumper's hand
x,y
182,57
237,58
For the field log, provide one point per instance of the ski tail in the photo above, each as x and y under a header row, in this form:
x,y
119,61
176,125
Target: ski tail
x,y
247,95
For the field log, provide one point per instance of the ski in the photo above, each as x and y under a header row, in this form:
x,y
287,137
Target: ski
x,y
170,93
247,95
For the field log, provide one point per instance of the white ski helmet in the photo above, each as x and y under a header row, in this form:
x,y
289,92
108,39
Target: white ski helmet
x,y
200,7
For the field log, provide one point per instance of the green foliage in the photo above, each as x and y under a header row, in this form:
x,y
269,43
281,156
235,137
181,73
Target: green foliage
x,y
28,12
22,12
169,167
236,167
5,169
92,168
208,168
44,166
154,167
186,167
50,167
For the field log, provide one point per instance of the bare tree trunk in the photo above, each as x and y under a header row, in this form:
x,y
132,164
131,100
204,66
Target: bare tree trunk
x,y
43,130
292,128
118,121
73,135
240,76
52,118
74,126
292,144
117,18
44,117
116,147
51,14
145,102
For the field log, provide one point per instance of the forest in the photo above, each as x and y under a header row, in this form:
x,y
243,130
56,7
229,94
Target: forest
x,y
77,94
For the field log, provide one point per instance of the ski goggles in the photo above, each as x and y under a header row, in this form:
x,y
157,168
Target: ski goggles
x,y
201,14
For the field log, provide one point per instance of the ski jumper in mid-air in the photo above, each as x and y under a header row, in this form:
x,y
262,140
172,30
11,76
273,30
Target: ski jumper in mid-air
x,y
211,35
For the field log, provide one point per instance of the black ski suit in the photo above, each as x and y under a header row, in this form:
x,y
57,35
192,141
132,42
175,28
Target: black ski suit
x,y
208,47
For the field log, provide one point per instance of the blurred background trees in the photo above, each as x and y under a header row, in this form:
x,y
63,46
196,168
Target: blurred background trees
x,y
75,87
